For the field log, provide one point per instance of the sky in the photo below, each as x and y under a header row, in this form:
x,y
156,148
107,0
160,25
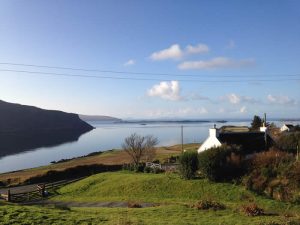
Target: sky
x,y
174,59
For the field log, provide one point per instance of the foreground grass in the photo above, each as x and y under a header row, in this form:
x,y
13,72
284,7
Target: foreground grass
x,y
174,195
163,188
170,214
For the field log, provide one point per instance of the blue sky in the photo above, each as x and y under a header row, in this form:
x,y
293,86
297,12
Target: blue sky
x,y
215,41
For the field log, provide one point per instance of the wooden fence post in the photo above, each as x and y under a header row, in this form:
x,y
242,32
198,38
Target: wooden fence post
x,y
43,190
8,195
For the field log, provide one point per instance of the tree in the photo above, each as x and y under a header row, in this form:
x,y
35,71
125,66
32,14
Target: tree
x,y
188,164
256,122
137,146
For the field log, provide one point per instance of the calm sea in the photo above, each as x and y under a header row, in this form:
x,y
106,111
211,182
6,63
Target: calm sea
x,y
108,136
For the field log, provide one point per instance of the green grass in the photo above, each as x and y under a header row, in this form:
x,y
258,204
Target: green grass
x,y
170,214
174,195
161,188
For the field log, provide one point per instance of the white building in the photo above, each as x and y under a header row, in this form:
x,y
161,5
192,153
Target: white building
x,y
286,127
211,141
250,141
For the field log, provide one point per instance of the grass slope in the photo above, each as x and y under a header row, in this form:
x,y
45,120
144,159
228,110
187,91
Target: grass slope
x,y
176,196
170,214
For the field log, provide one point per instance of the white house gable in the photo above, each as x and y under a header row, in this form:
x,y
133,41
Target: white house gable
x,y
211,141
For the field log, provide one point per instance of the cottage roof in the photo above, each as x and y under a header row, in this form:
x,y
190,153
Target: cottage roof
x,y
289,125
249,141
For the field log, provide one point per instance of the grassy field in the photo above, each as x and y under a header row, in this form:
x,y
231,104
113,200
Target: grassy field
x,y
174,195
169,214
112,157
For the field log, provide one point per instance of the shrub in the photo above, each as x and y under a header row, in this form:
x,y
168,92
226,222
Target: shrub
x,y
274,173
134,205
188,164
147,169
221,163
62,207
208,204
288,142
134,167
252,210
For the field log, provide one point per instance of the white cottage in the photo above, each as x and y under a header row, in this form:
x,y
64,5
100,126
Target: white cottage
x,y
211,141
286,127
251,141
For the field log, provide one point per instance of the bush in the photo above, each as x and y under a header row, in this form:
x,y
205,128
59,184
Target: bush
x,y
136,168
274,173
252,210
208,204
188,164
289,141
221,163
134,205
152,170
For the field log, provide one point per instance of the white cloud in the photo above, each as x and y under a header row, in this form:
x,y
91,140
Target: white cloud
x,y
236,99
200,48
215,63
130,62
281,99
243,109
173,52
166,90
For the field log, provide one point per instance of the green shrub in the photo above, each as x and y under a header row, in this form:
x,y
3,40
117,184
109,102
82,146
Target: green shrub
x,y
188,164
252,210
288,142
221,163
208,204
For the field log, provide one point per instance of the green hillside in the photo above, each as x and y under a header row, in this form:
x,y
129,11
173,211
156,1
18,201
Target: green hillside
x,y
175,197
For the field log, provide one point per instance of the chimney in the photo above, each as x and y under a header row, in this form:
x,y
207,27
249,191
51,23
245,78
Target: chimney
x,y
214,132
264,127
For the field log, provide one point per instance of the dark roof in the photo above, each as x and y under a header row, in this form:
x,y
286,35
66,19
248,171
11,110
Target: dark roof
x,y
249,141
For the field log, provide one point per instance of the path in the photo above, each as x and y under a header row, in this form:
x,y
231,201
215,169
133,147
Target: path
x,y
88,204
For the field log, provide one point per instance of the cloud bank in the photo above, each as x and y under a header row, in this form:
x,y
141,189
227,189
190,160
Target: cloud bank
x,y
175,52
281,100
215,63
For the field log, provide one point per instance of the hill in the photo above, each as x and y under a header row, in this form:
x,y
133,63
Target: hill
x,y
23,118
175,198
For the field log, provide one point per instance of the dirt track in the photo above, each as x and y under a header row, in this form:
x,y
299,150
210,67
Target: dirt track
x,y
87,204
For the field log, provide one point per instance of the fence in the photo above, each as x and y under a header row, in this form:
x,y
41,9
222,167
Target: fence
x,y
41,192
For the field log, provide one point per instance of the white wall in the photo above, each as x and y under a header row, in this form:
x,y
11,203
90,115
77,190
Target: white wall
x,y
210,142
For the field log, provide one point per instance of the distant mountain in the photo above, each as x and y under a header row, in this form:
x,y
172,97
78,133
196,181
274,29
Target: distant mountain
x,y
29,119
99,118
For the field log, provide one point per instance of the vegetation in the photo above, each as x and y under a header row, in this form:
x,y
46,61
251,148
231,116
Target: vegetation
x,y
209,204
188,164
252,210
175,196
289,142
137,146
256,122
221,163
276,174
163,215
